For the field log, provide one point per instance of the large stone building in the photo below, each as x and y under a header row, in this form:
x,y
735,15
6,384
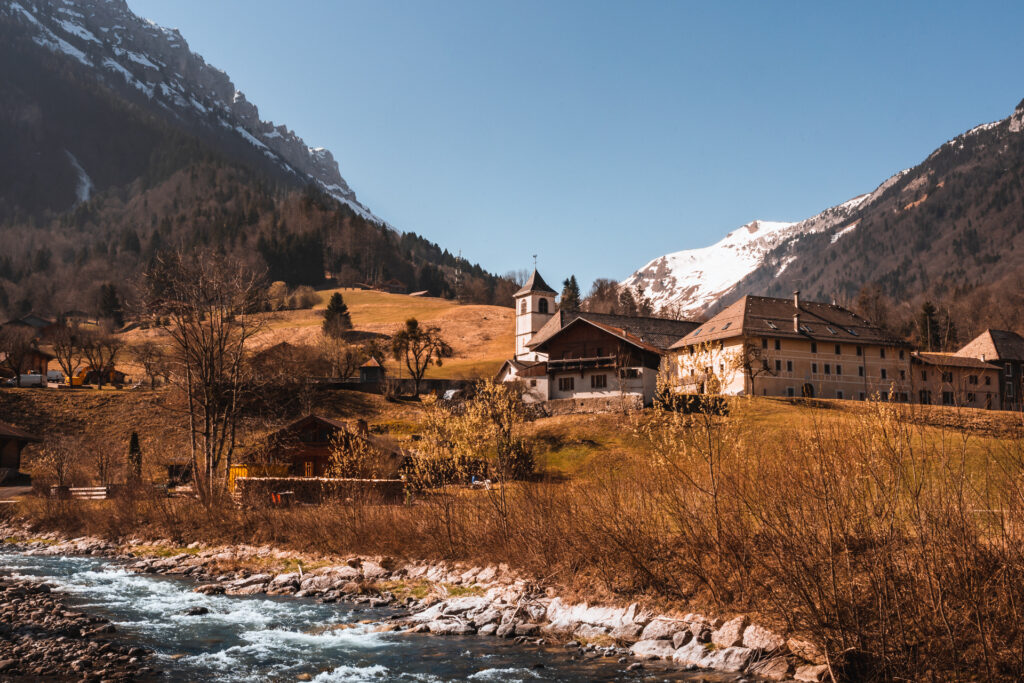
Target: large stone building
x,y
788,347
951,380
584,356
1005,350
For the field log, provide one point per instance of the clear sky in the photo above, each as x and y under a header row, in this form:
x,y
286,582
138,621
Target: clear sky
x,y
600,135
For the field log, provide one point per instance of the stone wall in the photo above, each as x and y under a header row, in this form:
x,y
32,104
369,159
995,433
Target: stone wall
x,y
258,490
606,404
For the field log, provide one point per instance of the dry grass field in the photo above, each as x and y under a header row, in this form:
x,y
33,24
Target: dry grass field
x,y
481,336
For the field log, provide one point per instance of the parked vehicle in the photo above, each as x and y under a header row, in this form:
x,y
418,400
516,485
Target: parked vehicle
x,y
55,376
32,380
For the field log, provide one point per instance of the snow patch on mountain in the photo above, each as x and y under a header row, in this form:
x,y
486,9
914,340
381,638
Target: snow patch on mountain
x,y
85,184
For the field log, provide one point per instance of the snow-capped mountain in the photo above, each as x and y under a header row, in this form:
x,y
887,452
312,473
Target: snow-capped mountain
x,y
129,53
948,223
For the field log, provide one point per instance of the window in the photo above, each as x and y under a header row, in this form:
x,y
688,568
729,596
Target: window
x,y
830,329
947,377
852,331
924,375
789,366
839,369
1009,389
814,368
764,342
598,381
903,374
726,326
970,397
778,345
543,306
860,371
881,352
839,394
566,383
924,396
790,391
884,373
972,379
629,373
600,352
947,398
771,324
862,395
522,306
814,347
533,382
839,349
828,369
901,354
308,468
860,351
696,332
778,366
988,381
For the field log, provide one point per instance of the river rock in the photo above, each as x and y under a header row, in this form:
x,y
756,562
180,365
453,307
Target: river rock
x,y
450,627
731,632
527,629
773,669
589,632
662,629
730,659
487,629
487,616
652,649
373,571
811,673
805,650
626,632
758,638
468,603
681,638
209,589
690,654
506,630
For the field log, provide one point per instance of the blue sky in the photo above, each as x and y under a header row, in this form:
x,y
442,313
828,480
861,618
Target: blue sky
x,y
599,135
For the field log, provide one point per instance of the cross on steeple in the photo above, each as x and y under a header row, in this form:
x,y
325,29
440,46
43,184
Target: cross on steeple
x,y
535,262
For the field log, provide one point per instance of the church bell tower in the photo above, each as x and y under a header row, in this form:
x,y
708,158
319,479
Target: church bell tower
x,y
535,304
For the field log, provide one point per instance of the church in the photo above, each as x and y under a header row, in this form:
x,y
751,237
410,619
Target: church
x,y
585,360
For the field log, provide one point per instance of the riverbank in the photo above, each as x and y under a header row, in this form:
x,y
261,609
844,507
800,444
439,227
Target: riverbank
x,y
41,638
450,599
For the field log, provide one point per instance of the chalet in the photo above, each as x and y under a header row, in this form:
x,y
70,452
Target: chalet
x,y
36,362
371,372
12,442
1004,349
788,347
582,355
951,380
303,449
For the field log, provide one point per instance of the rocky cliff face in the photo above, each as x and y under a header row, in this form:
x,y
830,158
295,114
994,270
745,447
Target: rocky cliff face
x,y
943,228
155,68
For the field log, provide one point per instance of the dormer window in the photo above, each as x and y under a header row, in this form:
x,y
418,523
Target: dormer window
x,y
771,324
542,306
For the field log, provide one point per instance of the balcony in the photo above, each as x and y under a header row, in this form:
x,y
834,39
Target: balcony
x,y
577,364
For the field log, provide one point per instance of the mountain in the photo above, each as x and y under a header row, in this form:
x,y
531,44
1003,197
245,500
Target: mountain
x,y
117,142
154,67
946,229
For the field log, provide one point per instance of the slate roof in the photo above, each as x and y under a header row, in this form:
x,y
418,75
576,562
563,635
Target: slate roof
x,y
659,333
535,284
12,432
762,316
995,345
951,360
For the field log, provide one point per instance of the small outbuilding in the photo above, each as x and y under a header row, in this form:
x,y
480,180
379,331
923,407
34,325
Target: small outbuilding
x,y
12,442
371,372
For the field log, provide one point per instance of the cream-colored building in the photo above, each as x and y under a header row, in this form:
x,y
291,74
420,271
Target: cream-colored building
x,y
767,346
950,380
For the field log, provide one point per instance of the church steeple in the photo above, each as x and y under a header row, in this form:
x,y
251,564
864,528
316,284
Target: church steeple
x,y
535,304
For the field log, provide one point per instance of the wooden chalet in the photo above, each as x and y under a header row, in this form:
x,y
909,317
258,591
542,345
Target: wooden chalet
x,y
12,442
303,449
371,372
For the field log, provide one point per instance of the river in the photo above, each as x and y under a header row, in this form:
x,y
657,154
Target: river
x,y
260,638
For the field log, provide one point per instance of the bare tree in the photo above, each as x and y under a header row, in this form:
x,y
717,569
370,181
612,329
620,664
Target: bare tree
x,y
153,359
67,343
59,456
101,349
17,344
754,361
211,303
343,358
419,347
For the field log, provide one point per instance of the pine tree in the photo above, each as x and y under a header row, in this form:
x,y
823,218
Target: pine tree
x,y
570,294
134,458
928,328
110,304
336,317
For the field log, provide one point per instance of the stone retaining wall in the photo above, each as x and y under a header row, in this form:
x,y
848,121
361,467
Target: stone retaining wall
x,y
610,404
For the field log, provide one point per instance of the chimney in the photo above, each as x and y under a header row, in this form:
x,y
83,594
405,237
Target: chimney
x,y
796,299
796,322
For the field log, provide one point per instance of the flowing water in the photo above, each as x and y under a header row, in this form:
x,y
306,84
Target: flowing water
x,y
260,638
